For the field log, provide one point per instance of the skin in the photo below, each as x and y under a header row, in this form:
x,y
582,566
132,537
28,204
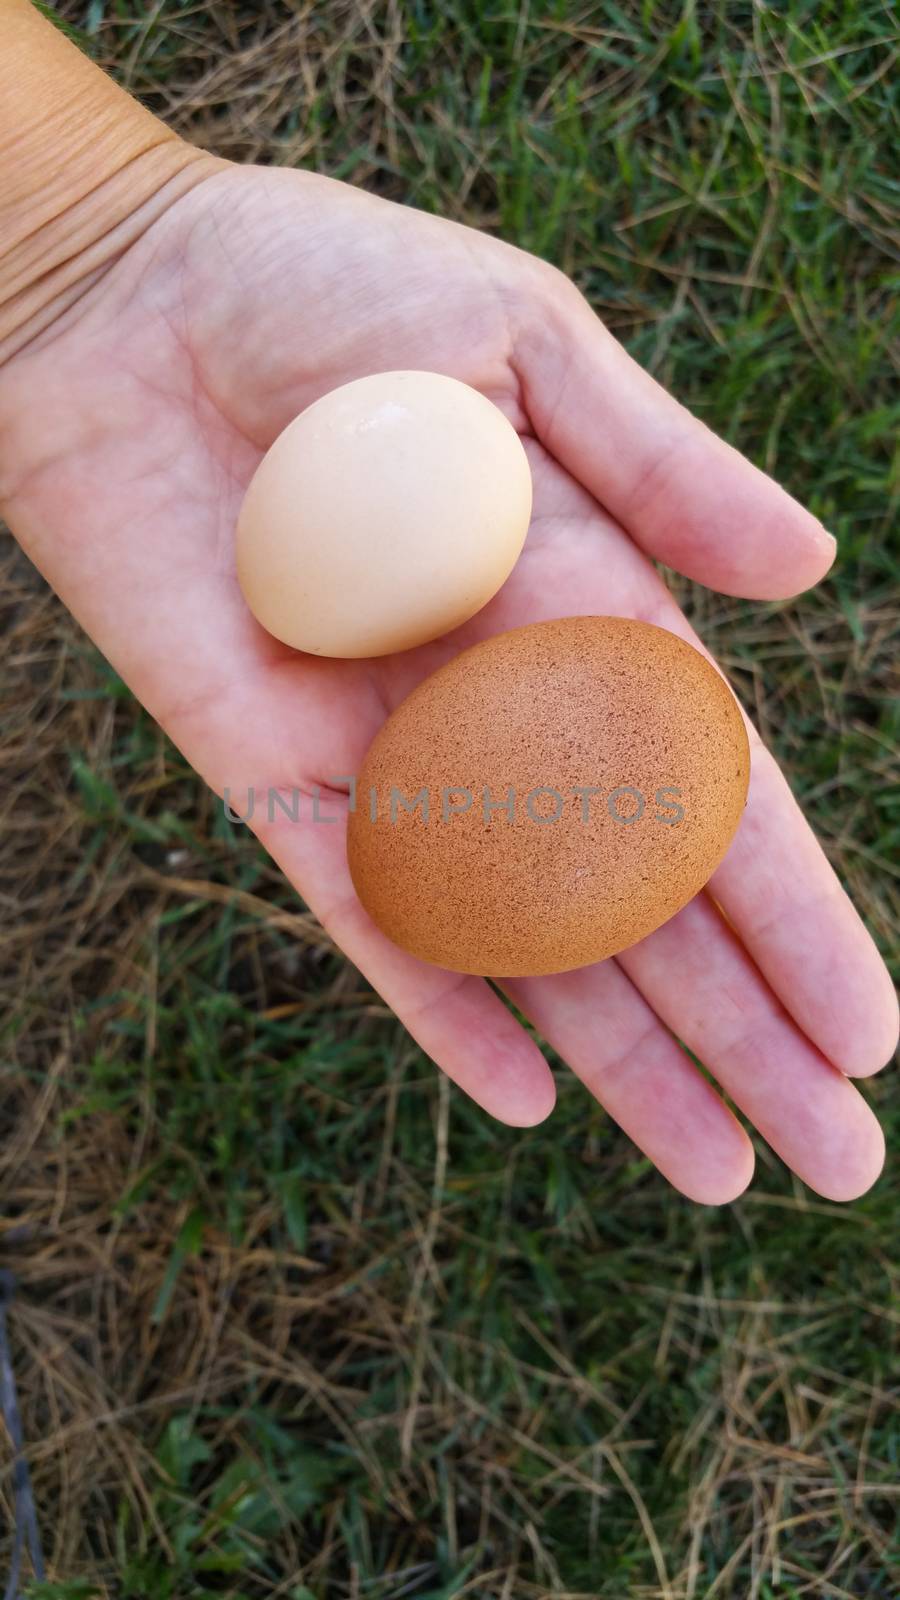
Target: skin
x,y
132,416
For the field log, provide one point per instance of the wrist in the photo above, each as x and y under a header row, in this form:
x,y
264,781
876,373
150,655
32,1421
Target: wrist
x,y
87,170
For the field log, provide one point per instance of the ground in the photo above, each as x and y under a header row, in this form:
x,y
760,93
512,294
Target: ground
x,y
292,1317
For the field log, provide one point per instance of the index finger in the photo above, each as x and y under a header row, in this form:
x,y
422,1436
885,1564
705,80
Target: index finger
x,y
684,495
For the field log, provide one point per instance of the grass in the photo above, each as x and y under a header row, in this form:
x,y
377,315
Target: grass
x,y
293,1318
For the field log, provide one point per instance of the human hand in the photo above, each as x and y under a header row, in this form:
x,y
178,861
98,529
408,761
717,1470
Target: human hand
x,y
129,428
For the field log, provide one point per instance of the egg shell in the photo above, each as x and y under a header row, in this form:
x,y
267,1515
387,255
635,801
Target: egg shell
x,y
583,702
386,514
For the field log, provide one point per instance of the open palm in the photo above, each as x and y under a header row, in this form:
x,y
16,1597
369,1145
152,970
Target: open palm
x,y
131,428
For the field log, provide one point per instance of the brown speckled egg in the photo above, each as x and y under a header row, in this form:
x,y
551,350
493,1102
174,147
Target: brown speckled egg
x,y
549,797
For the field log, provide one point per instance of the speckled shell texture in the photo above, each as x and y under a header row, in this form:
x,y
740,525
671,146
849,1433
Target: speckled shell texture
x,y
585,703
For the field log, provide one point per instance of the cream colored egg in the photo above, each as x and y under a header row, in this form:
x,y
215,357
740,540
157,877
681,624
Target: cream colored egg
x,y
387,513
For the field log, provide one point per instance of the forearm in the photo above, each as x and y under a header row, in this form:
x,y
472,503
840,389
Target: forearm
x,y
84,169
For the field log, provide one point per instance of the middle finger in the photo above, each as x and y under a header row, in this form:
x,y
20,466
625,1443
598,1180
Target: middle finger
x,y
700,980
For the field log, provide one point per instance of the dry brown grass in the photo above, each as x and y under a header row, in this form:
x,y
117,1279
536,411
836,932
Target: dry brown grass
x,y
250,1316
